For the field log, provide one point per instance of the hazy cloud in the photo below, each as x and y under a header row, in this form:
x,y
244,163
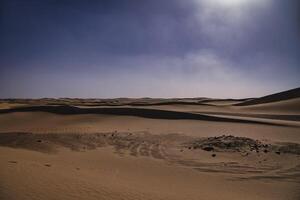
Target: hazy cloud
x,y
225,48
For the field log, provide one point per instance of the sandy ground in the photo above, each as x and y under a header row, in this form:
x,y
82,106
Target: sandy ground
x,y
166,150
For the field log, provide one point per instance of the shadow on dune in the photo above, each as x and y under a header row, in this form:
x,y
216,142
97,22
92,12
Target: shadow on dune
x,y
281,96
263,116
127,111
167,103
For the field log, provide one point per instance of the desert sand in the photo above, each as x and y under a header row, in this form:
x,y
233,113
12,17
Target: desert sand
x,y
185,148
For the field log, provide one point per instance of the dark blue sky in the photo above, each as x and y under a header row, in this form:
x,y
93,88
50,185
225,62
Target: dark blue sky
x,y
138,48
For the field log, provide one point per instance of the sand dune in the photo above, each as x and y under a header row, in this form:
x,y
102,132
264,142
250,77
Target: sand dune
x,y
193,148
231,162
281,96
100,174
291,106
128,111
289,117
173,148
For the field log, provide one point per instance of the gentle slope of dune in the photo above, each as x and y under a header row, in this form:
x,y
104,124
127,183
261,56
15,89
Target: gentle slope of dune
x,y
281,96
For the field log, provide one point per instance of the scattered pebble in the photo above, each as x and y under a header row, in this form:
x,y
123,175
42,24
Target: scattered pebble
x,y
246,154
208,148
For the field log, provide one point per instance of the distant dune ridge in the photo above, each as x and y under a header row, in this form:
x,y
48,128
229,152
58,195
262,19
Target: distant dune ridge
x,y
281,96
284,105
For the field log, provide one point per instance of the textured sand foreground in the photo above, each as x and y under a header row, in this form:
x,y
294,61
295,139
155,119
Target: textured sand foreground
x,y
151,148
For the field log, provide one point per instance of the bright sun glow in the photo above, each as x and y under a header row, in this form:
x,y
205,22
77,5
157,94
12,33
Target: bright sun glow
x,y
229,12
230,3
235,3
